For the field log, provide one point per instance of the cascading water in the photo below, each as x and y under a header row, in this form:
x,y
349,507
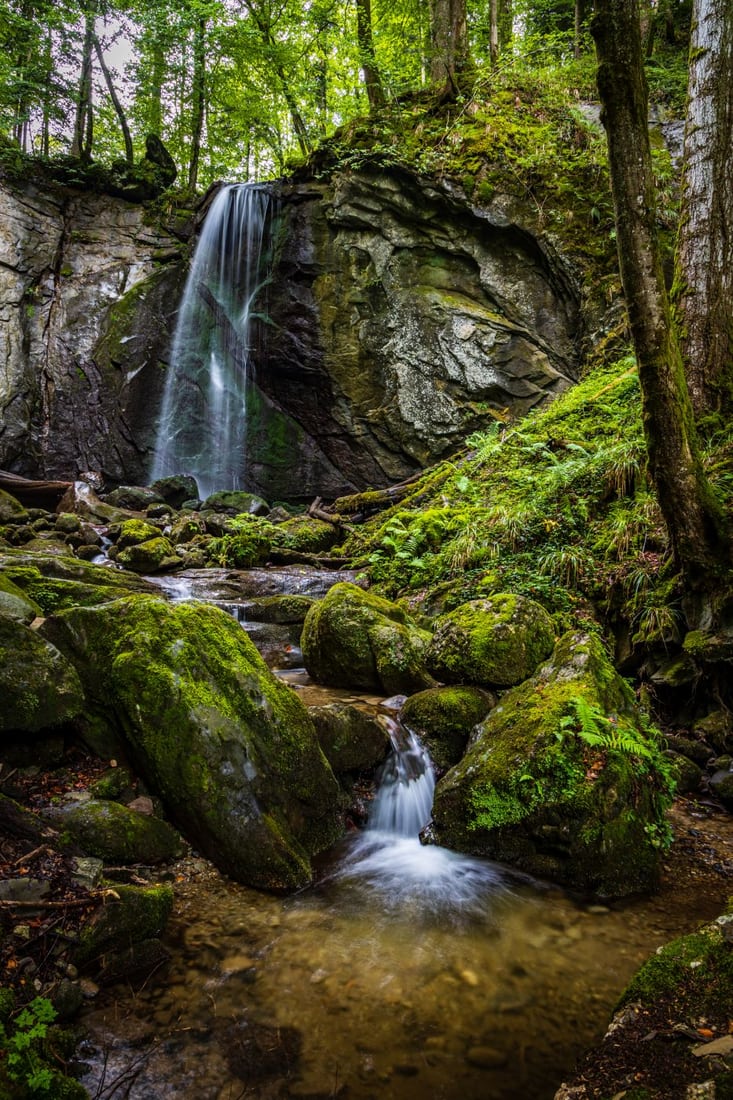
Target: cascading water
x,y
202,428
400,873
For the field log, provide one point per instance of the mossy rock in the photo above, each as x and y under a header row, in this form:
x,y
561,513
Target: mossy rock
x,y
562,780
130,916
116,834
716,728
227,746
721,785
113,785
176,490
11,510
185,529
39,688
132,532
236,502
351,739
57,582
306,534
151,556
14,604
687,775
279,609
494,642
443,718
134,498
353,638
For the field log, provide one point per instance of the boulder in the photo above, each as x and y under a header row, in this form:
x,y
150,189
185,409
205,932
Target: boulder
x,y
14,604
353,638
351,739
58,581
562,779
306,534
495,642
229,749
11,510
176,490
236,502
150,556
38,687
116,834
135,498
443,719
131,915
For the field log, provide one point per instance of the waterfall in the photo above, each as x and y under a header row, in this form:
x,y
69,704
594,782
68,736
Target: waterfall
x,y
386,864
202,429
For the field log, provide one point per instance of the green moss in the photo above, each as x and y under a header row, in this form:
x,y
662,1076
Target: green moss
x,y
697,968
133,915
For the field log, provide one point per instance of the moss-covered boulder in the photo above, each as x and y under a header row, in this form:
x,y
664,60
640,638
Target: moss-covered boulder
x,y
279,609
58,581
230,749
116,834
443,719
11,510
671,1030
39,688
177,489
133,531
14,604
130,915
151,556
237,502
352,740
494,642
134,498
306,534
353,638
562,779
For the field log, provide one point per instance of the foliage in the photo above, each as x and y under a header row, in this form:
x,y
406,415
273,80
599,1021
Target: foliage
x,y
29,1068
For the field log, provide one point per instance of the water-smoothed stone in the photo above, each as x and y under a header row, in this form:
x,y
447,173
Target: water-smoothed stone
x,y
562,780
134,498
443,719
353,638
306,534
117,834
39,688
229,749
11,510
351,739
81,500
131,532
495,642
235,502
15,604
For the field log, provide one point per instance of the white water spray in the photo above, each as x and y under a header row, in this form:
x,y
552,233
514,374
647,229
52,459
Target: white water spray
x,y
202,428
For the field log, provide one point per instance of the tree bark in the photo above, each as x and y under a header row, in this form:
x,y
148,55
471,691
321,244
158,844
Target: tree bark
x,y
367,60
119,109
198,101
449,44
706,226
494,31
81,142
693,517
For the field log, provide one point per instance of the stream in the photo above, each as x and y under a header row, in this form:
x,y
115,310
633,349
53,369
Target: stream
x,y
405,972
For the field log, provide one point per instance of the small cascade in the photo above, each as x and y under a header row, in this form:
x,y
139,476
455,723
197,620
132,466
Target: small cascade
x,y
386,865
202,429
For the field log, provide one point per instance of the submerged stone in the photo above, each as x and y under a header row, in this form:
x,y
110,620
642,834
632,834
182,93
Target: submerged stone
x,y
230,749
563,780
352,638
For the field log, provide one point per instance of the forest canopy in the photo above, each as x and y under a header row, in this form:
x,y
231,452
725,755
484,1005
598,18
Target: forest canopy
x,y
237,88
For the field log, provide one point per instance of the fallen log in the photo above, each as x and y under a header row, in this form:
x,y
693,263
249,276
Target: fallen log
x,y
33,494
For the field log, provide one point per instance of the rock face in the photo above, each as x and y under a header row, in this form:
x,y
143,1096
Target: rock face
x,y
401,318
85,317
230,750
561,780
404,317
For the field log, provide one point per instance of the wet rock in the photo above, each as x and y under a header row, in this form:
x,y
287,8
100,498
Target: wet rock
x,y
486,1057
39,688
494,642
55,582
131,915
201,711
134,498
150,556
67,998
443,719
687,774
353,638
235,502
716,729
176,490
351,739
134,963
118,834
562,780
14,604
721,785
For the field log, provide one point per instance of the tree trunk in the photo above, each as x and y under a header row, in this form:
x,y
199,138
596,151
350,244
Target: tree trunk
x,y
449,44
81,142
367,61
494,31
119,109
579,16
706,225
198,101
692,515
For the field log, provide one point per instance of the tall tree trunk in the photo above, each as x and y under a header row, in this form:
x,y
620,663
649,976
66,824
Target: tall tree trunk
x,y
81,141
198,101
449,44
367,60
506,24
706,225
692,515
494,31
119,109
579,16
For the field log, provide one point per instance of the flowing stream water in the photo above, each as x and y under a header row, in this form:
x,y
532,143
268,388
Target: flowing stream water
x,y
202,428
407,972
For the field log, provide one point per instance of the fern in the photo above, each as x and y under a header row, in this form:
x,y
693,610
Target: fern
x,y
593,727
